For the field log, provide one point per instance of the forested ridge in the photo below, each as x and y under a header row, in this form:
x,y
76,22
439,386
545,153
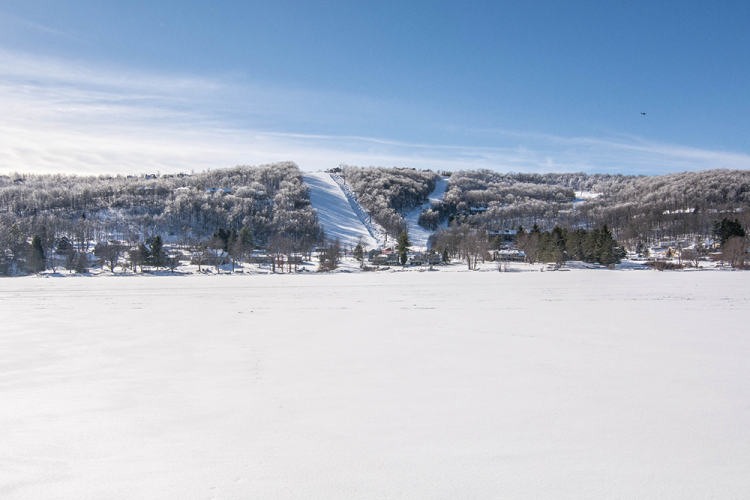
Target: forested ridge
x,y
268,207
269,202
389,193
635,208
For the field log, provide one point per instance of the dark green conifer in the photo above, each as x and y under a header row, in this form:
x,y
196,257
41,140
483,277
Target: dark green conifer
x,y
403,245
37,260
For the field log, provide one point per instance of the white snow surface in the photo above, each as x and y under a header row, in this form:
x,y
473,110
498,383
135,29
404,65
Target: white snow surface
x,y
335,212
417,234
435,385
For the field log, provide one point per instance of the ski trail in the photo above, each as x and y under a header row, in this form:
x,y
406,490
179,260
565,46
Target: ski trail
x,y
340,215
417,234
375,229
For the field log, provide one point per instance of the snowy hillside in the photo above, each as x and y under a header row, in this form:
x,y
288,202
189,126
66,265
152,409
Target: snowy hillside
x,y
335,211
417,234
339,210
434,385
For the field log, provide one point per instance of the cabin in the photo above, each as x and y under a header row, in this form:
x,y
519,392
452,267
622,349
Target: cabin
x,y
432,259
509,255
385,259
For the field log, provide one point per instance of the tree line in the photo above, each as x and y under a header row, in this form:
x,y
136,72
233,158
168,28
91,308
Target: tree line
x,y
558,245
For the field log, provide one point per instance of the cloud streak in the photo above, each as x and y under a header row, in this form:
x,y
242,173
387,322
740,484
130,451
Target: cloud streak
x,y
62,116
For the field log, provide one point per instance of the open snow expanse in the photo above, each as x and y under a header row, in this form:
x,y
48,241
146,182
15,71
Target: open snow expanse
x,y
434,385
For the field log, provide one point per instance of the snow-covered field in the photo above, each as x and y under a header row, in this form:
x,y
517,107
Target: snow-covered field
x,y
435,385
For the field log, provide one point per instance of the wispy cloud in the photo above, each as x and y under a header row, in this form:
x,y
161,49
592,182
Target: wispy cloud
x,y
25,23
62,116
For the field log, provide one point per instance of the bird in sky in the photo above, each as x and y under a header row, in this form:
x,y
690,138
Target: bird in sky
x,y
643,113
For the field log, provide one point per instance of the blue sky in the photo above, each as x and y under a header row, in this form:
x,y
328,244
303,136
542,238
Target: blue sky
x,y
90,86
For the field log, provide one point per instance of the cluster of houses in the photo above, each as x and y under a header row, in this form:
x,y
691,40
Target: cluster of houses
x,y
389,257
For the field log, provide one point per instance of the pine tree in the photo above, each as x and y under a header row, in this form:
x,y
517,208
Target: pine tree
x,y
359,253
222,236
156,255
403,245
246,237
37,260
728,229
143,255
607,251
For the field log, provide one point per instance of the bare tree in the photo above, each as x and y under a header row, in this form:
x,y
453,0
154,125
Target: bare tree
x,y
734,252
690,255
111,253
136,259
529,245
330,256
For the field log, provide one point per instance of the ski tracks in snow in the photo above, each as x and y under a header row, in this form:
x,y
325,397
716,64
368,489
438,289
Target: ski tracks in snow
x,y
339,212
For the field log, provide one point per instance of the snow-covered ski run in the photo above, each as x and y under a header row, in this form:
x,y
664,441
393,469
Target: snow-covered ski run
x,y
337,212
343,217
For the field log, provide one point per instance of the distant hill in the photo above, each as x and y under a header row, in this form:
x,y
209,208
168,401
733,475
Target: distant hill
x,y
635,207
272,204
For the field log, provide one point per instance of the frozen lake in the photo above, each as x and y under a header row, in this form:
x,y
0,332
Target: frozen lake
x,y
596,384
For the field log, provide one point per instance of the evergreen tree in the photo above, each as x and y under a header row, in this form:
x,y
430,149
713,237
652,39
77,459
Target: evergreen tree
x,y
403,245
574,244
552,246
143,255
246,237
156,254
359,253
727,229
606,250
223,236
37,261
639,248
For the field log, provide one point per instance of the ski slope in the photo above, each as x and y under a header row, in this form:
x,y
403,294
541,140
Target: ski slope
x,y
417,234
404,385
335,211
